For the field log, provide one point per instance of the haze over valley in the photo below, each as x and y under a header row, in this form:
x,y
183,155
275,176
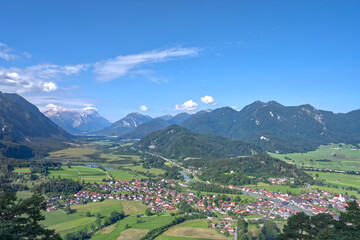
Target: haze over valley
x,y
179,120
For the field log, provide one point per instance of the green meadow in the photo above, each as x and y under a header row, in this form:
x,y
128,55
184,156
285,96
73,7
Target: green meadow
x,y
64,223
338,179
138,230
332,156
88,174
190,230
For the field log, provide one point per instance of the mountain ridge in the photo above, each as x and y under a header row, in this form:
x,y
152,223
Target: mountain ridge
x,y
77,121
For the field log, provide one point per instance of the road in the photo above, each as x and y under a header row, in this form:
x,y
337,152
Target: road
x,y
175,164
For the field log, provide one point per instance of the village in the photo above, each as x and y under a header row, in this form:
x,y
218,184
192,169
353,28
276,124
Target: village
x,y
160,195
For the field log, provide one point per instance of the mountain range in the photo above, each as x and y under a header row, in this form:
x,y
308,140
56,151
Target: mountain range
x,y
77,121
279,128
269,125
274,127
136,125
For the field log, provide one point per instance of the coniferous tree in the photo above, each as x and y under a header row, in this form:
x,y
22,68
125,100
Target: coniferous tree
x,y
19,219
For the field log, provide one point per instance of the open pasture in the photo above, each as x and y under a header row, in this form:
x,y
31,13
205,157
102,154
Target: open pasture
x,y
339,179
193,233
332,156
81,153
88,174
189,230
140,229
64,223
22,170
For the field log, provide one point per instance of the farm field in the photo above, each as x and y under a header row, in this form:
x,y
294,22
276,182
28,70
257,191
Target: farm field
x,y
74,154
195,229
333,156
64,223
339,179
144,170
140,229
22,170
102,153
88,174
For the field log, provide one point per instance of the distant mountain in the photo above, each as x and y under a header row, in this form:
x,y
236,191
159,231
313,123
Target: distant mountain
x,y
143,129
180,143
23,127
77,121
279,128
155,124
124,125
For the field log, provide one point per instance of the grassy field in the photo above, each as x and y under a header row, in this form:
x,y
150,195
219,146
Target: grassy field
x,y
333,156
339,179
195,229
64,223
123,175
140,229
88,174
21,170
144,170
74,154
132,234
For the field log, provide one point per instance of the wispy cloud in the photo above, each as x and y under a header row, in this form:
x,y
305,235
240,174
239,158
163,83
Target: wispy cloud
x,y
46,102
120,66
187,106
8,53
37,78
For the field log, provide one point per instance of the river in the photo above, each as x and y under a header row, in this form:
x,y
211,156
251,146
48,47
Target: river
x,y
186,177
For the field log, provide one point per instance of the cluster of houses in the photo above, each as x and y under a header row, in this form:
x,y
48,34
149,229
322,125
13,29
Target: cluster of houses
x,y
311,202
278,181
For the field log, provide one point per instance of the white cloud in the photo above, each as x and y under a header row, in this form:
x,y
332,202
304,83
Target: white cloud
x,y
208,100
49,87
143,108
234,107
187,106
120,66
37,78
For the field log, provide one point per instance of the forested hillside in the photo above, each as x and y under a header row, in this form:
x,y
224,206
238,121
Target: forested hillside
x,y
180,143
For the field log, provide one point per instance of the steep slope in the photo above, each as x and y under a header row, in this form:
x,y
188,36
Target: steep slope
x,y
21,120
25,131
124,125
279,128
77,121
180,143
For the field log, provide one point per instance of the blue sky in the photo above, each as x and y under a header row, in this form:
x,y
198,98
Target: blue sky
x,y
165,57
